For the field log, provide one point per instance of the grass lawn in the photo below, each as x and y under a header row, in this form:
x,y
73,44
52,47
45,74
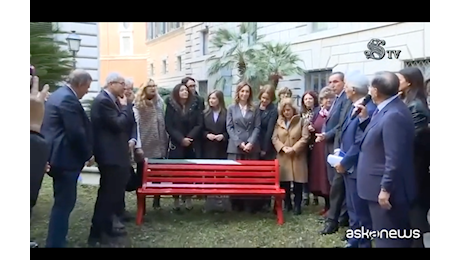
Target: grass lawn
x,y
162,228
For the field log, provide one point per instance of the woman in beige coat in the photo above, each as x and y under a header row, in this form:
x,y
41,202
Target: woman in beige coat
x,y
290,141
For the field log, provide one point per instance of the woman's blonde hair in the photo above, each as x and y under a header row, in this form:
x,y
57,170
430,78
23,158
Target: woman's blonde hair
x,y
287,102
140,98
286,91
326,92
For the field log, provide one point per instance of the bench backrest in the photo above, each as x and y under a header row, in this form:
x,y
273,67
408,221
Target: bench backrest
x,y
213,174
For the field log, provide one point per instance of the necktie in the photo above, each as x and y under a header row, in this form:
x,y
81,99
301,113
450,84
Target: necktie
x,y
374,114
118,103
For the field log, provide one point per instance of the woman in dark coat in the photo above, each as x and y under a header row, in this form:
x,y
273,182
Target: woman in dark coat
x,y
413,92
317,177
268,117
215,130
310,111
184,124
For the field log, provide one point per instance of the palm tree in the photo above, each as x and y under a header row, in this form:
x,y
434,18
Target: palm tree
x,y
52,63
238,53
278,60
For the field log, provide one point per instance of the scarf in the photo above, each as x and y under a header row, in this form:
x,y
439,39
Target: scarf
x,y
324,112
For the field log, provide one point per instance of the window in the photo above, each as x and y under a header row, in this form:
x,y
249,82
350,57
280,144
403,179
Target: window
x,y
126,26
205,41
151,69
316,80
226,74
150,31
126,45
252,37
179,63
422,64
203,87
322,26
157,29
165,66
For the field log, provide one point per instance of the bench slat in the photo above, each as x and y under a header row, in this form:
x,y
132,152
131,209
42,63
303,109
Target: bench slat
x,y
199,167
208,186
179,191
210,180
210,173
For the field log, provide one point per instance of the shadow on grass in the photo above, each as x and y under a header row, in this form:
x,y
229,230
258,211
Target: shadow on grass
x,y
164,228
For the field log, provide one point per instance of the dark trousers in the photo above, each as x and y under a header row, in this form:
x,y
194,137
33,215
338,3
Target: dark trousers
x,y
358,212
298,187
65,196
397,218
337,210
418,220
38,155
110,195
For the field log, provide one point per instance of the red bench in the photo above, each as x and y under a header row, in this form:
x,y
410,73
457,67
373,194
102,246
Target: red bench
x,y
210,177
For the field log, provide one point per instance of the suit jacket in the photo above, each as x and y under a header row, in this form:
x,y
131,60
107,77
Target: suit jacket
x,y
215,149
268,118
336,116
351,137
67,130
112,127
386,155
243,129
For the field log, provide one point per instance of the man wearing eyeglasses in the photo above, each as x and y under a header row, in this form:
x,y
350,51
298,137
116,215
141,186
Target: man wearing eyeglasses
x,y
111,115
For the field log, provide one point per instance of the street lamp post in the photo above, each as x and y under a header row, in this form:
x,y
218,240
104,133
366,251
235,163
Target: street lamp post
x,y
74,46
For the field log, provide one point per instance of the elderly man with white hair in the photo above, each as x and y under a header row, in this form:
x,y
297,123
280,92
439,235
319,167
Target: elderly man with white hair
x,y
356,89
111,117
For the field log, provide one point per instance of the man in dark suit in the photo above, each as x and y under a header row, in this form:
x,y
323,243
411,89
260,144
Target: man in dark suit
x,y
330,135
385,167
356,88
122,215
111,115
67,130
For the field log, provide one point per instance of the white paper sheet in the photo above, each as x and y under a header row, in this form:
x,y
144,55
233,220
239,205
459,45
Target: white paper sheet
x,y
333,160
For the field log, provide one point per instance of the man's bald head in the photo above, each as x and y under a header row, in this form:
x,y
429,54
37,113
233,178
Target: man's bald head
x,y
386,83
80,81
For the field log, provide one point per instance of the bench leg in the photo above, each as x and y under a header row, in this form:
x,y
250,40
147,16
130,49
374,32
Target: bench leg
x,y
279,210
140,208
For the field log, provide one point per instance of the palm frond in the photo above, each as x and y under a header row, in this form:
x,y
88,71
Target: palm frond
x,y
52,62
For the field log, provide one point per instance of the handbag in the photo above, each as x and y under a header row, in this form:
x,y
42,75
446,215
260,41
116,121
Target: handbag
x,y
134,181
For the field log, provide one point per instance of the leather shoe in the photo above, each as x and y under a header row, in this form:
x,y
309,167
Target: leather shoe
x,y
297,211
116,223
330,227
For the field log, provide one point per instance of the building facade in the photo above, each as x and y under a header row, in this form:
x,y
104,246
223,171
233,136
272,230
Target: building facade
x,y
123,49
165,43
324,48
88,56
